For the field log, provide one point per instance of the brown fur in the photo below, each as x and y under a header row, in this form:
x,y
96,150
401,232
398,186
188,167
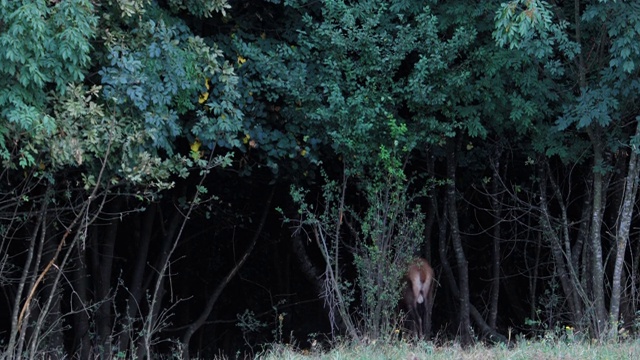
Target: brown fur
x,y
418,296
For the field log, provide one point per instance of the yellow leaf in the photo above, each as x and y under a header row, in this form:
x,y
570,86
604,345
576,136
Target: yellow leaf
x,y
241,60
196,145
207,83
246,138
203,97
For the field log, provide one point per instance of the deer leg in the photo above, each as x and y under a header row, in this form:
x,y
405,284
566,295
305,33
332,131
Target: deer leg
x,y
416,320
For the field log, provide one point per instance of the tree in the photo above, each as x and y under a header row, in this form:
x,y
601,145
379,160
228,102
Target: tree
x,y
138,137
75,146
602,57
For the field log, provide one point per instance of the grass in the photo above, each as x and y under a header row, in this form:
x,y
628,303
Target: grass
x,y
543,350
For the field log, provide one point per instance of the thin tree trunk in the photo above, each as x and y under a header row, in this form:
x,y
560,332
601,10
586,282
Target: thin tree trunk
x,y
431,214
565,263
581,259
533,281
634,296
312,272
54,326
597,268
583,232
55,269
594,130
79,306
496,205
622,236
485,329
556,248
14,346
309,270
143,235
461,260
51,317
155,282
103,264
206,311
442,250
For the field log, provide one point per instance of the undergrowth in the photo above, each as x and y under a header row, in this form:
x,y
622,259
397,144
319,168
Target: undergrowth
x,y
525,350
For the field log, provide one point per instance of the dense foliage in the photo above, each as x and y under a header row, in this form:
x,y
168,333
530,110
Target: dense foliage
x,y
153,149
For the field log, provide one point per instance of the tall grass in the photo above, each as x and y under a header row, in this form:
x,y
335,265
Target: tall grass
x,y
525,350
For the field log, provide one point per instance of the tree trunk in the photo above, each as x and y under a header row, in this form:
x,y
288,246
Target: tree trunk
x,y
461,260
51,329
496,207
622,236
155,282
442,250
15,344
594,132
485,329
206,311
533,280
583,231
311,272
79,303
103,264
431,211
143,234
561,255
597,268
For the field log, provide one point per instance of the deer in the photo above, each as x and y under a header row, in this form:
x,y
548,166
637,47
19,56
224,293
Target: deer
x,y
418,296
